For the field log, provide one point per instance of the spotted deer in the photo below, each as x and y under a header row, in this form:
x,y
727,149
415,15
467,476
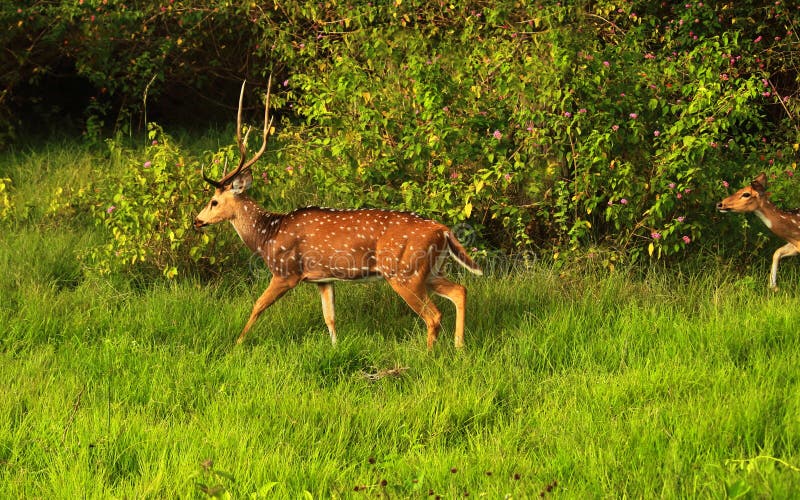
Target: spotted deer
x,y
322,246
785,224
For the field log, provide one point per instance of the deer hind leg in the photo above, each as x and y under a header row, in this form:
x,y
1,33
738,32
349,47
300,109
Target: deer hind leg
x,y
415,293
456,294
326,292
277,287
787,250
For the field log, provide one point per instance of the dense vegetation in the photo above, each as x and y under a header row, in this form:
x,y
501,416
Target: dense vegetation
x,y
535,125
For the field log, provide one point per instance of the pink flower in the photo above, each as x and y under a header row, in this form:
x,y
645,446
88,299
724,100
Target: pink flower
x,y
498,135
614,127
681,218
110,209
623,201
758,39
656,133
633,116
655,235
155,142
725,184
147,164
672,185
507,177
567,114
582,111
686,239
606,64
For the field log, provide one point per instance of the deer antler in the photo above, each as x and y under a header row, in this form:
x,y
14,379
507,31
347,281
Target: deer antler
x,y
244,163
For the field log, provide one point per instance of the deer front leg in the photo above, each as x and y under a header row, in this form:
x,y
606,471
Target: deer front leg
x,y
277,287
326,292
787,250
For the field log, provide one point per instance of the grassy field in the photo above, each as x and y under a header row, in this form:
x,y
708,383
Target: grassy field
x,y
574,383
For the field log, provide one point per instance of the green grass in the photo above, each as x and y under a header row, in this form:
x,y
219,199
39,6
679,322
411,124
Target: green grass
x,y
667,383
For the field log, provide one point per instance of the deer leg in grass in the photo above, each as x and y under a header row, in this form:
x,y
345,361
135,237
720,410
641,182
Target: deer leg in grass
x,y
415,293
456,294
326,292
277,287
787,250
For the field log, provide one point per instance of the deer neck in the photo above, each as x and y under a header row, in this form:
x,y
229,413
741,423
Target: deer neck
x,y
254,225
767,212
782,223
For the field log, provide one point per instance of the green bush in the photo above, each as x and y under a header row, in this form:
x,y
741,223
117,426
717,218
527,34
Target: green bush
x,y
544,125
147,208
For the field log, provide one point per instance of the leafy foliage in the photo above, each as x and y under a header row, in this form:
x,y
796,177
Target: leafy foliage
x,y
148,207
537,124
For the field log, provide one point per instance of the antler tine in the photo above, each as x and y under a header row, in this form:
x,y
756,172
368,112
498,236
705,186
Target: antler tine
x,y
267,128
243,162
241,143
209,179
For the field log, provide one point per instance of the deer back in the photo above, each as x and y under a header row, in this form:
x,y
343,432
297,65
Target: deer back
x,y
324,244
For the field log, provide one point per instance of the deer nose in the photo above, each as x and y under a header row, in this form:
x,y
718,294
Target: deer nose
x,y
719,206
199,223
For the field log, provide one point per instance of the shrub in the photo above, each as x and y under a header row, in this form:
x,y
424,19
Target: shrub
x,y
148,206
544,125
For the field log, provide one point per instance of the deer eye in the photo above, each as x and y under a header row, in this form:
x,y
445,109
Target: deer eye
x,y
214,203
745,195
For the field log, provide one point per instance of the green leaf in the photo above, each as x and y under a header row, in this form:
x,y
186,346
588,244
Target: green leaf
x,y
265,490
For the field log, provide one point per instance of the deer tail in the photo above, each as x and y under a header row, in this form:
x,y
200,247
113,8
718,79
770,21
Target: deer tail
x,y
460,254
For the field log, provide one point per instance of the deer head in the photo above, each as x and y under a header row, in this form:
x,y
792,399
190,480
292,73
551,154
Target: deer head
x,y
224,203
747,199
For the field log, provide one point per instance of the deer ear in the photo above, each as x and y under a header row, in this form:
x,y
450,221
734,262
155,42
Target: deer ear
x,y
760,183
242,182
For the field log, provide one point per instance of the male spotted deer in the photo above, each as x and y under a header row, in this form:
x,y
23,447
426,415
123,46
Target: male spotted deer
x,y
785,224
320,245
